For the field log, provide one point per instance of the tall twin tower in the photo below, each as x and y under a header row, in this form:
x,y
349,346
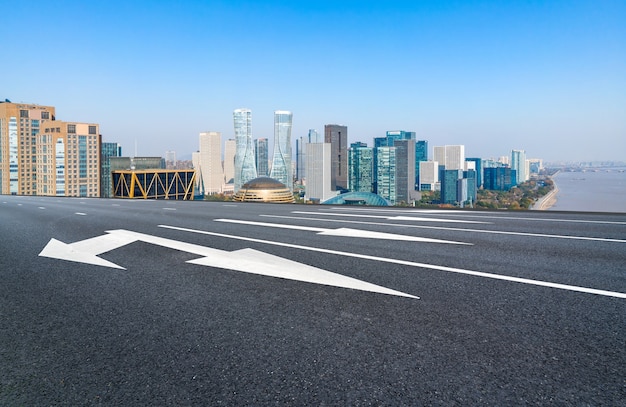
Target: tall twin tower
x,y
245,165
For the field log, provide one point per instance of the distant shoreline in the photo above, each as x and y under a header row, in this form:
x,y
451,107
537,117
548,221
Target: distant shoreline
x,y
548,200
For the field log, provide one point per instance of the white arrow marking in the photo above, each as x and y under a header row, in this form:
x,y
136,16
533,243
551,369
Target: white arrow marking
x,y
246,260
346,232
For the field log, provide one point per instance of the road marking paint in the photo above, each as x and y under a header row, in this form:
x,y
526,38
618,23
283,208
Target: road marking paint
x,y
245,260
346,232
488,215
41,207
412,263
497,232
169,209
80,213
400,217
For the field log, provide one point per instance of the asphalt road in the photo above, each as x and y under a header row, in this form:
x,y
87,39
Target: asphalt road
x,y
100,304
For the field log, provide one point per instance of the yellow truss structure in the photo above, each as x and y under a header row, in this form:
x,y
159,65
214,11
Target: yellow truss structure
x,y
154,184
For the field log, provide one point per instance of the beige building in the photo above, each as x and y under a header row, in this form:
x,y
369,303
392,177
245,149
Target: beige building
x,y
20,124
68,159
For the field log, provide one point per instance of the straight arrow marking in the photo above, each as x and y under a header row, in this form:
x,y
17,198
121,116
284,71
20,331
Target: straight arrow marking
x,y
246,260
345,232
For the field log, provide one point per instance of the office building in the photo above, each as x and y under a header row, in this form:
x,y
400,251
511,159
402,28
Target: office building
x,y
421,154
405,170
451,157
429,176
478,167
450,186
360,168
499,178
19,127
317,166
261,148
107,150
245,167
230,149
210,168
386,173
68,159
281,162
337,136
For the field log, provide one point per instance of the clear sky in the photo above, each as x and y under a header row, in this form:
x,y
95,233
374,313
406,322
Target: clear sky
x,y
545,76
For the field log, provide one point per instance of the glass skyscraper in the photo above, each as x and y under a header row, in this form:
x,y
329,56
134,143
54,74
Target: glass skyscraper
x,y
386,173
245,168
337,136
261,148
518,163
281,163
360,168
107,150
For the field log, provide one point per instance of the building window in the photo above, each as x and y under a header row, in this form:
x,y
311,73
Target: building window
x,y
71,128
45,115
23,113
92,129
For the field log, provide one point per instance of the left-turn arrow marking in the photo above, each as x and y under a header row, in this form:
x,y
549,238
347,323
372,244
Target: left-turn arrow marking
x,y
246,260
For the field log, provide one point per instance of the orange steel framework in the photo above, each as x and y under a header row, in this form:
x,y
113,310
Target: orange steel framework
x,y
154,184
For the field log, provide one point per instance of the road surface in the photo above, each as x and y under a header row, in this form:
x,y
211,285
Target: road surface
x,y
119,302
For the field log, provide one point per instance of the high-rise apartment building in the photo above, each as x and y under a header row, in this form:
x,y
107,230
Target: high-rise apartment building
x,y
281,162
230,149
245,167
337,136
451,157
20,125
360,168
261,148
68,159
518,163
211,162
107,150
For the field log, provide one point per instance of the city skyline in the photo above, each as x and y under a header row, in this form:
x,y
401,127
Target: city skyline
x,y
549,78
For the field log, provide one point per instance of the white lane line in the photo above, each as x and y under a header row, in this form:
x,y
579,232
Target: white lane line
x,y
345,232
41,207
80,213
490,215
413,264
169,209
497,232
412,218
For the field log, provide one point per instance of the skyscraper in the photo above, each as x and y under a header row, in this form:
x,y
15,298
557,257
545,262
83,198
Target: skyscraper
x,y
68,159
451,157
405,170
281,163
262,155
386,173
211,162
245,168
230,150
337,136
317,162
518,163
19,126
360,167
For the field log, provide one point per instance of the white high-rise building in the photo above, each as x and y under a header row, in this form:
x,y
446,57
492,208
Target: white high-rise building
x,y
318,167
281,163
518,163
245,167
230,150
429,175
211,162
452,157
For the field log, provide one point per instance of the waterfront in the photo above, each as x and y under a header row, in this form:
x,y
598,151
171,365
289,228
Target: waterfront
x,y
592,190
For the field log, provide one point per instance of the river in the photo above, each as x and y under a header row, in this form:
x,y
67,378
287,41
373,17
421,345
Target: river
x,y
592,190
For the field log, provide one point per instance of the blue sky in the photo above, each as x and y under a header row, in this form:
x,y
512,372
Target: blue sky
x,y
548,77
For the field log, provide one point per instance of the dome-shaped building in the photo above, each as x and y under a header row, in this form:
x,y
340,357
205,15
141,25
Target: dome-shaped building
x,y
264,189
357,198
